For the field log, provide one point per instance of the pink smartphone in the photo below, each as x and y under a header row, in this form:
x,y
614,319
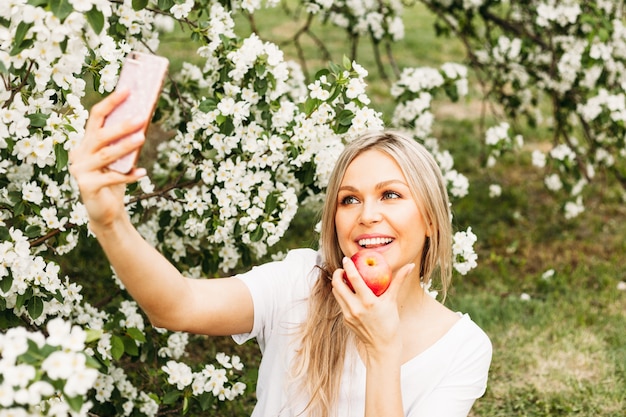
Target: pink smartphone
x,y
143,75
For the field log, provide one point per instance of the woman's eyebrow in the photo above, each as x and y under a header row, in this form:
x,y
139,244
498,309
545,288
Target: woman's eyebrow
x,y
347,188
387,183
380,185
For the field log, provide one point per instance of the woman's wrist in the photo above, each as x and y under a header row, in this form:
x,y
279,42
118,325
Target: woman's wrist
x,y
388,355
112,229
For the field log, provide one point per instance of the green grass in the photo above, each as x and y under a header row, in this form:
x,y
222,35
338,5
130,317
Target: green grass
x,y
563,351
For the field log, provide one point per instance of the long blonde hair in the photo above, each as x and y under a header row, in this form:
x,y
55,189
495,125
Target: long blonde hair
x,y
319,361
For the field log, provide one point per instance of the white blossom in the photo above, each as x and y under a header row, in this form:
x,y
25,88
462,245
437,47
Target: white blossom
x,y
463,251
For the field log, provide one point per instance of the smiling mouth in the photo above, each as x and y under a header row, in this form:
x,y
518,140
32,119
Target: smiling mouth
x,y
374,242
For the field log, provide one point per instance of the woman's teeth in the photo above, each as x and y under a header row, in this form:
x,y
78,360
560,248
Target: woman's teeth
x,y
377,241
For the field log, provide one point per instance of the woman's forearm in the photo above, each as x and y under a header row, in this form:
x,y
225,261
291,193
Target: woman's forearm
x,y
151,279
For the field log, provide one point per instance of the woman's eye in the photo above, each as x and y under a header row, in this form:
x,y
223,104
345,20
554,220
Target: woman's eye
x,y
388,195
349,200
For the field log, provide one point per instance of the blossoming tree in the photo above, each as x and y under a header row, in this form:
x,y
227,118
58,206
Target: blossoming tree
x,y
255,137
554,63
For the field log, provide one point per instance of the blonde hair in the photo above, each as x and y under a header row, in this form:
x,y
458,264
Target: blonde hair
x,y
319,361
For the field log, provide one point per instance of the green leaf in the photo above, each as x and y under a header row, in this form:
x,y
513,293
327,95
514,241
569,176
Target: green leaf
x,y
18,209
451,92
15,197
61,156
257,234
260,69
96,19
336,90
271,203
205,400
117,347
307,174
220,118
310,105
322,72
61,8
335,69
341,129
136,334
165,219
130,347
139,4
20,32
165,4
4,234
92,362
347,64
92,335
8,319
207,105
6,282
171,397
58,296
227,128
19,44
32,231
21,299
38,119
35,307
260,86
344,118
75,403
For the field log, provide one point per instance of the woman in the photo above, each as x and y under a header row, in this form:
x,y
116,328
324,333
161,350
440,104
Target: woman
x,y
328,350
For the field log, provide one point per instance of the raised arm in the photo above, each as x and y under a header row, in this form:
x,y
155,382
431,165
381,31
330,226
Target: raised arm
x,y
207,306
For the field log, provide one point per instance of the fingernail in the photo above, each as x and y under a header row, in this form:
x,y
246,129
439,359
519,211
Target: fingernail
x,y
141,172
138,137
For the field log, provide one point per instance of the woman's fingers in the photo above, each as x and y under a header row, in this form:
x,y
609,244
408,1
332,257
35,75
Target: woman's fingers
x,y
92,181
112,152
103,108
96,136
84,158
352,275
398,279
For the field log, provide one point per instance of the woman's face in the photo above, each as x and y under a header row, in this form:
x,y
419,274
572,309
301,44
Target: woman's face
x,y
376,210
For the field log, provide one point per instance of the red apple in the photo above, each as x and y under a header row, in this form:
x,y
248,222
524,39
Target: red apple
x,y
374,270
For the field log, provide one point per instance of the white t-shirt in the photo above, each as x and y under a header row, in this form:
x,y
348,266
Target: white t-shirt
x,y
442,381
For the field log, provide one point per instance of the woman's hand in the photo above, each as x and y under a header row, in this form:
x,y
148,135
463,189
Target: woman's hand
x,y
374,320
102,190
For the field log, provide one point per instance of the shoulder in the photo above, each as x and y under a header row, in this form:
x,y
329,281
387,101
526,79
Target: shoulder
x,y
467,330
278,290
473,344
283,273
304,256
304,259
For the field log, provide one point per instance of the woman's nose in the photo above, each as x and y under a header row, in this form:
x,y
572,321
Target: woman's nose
x,y
370,213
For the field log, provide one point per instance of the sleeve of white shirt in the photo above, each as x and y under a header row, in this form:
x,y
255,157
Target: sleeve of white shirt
x,y
273,287
464,382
